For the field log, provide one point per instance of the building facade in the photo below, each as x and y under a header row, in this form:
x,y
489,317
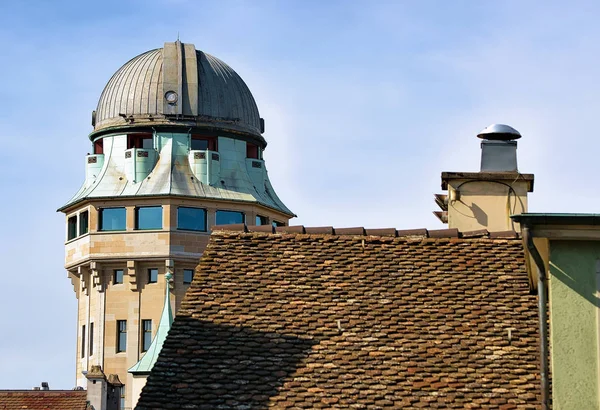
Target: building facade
x,y
177,149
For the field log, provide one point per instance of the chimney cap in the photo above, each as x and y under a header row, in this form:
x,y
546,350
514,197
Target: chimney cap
x,y
499,132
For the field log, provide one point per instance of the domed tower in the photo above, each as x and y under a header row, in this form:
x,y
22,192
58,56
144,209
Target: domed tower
x,y
177,148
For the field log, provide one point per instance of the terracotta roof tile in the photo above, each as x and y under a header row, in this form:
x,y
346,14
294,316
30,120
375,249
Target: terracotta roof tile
x,y
322,321
382,232
350,231
43,399
261,228
327,230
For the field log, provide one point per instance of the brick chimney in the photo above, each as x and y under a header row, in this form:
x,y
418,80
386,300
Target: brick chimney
x,y
486,199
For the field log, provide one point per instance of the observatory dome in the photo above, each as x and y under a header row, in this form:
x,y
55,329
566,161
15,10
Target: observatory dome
x,y
177,86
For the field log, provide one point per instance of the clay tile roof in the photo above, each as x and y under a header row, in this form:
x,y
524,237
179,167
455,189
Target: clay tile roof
x,y
329,230
319,321
43,399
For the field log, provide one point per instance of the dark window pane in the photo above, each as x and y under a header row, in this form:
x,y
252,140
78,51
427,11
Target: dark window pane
x,y
122,397
193,219
83,223
118,277
121,335
83,341
251,151
152,275
261,220
71,228
140,141
91,339
277,223
229,217
148,217
112,219
146,334
99,147
188,275
198,144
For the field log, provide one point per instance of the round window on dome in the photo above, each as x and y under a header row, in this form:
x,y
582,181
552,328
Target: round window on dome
x,y
171,97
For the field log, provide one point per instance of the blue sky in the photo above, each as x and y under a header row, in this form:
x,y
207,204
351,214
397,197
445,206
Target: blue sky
x,y
366,103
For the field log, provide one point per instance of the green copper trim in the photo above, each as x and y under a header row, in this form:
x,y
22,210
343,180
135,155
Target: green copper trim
x,y
146,363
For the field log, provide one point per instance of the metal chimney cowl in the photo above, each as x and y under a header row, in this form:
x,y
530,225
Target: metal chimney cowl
x,y
498,148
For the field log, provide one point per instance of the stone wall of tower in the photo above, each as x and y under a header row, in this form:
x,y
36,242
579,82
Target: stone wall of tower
x,y
92,258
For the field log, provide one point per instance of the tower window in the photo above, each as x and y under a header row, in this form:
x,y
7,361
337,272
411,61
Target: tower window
x,y
148,217
144,141
152,275
146,334
252,151
122,397
82,341
188,276
71,227
261,220
277,223
191,219
229,217
91,339
121,335
99,146
83,222
202,143
118,277
112,219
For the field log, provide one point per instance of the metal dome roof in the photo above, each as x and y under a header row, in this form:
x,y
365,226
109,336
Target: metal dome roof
x,y
177,86
500,132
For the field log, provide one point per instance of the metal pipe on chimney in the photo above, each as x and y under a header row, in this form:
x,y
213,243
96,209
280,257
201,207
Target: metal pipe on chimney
x,y
542,314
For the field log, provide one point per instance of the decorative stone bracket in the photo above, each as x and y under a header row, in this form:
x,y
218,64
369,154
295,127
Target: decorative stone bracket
x,y
133,285
96,276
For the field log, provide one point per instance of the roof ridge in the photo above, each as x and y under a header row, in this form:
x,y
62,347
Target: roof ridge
x,y
361,231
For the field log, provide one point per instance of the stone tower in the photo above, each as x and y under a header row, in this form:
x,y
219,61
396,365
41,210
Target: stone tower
x,y
177,149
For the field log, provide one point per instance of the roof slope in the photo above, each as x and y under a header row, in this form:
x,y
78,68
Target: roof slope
x,y
43,399
313,321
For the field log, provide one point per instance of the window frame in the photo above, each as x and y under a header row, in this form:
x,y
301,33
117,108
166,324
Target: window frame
x,y
91,339
72,227
184,278
146,332
231,211
87,222
137,220
211,142
121,336
190,229
115,277
98,146
150,275
252,151
101,219
122,398
261,219
83,341
136,140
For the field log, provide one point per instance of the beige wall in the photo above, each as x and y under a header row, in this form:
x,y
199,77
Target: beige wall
x,y
474,205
